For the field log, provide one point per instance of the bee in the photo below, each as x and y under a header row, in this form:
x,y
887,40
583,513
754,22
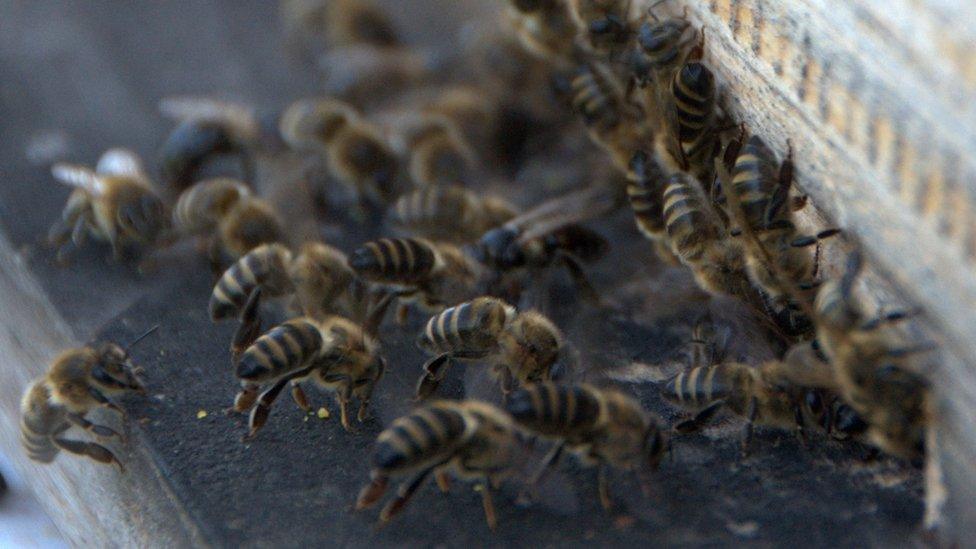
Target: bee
x,y
366,74
450,213
207,128
77,382
697,238
334,352
871,367
317,276
602,426
116,203
692,117
777,258
645,193
437,153
757,394
359,22
415,271
356,151
235,220
545,28
614,123
605,24
662,47
521,347
550,234
472,439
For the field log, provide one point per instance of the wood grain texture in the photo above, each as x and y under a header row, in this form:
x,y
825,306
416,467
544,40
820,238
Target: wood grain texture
x,y
876,97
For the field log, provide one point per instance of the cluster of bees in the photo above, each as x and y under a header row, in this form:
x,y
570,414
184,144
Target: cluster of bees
x,y
393,146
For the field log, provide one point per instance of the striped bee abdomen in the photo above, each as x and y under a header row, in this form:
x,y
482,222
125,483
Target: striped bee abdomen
x,y
754,181
264,266
394,260
467,330
693,89
660,41
39,422
697,387
427,435
689,225
551,409
646,195
594,98
285,348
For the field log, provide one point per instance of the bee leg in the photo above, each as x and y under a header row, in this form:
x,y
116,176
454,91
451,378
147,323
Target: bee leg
x,y
375,314
249,326
344,412
800,432
443,480
105,402
576,271
751,413
372,492
97,452
401,313
888,318
404,493
364,401
215,257
245,399
733,148
603,488
248,169
488,504
298,395
434,371
260,412
550,461
100,431
698,421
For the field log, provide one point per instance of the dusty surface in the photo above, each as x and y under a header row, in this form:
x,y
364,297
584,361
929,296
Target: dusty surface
x,y
92,74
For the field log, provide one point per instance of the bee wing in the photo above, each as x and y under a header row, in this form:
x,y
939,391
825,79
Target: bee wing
x,y
121,162
207,108
554,214
79,176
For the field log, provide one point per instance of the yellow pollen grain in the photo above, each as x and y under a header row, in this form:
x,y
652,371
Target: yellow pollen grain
x,y
201,414
322,413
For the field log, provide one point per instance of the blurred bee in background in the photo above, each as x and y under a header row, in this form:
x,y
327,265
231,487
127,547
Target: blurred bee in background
x,y
76,383
614,123
472,439
116,203
415,271
437,153
520,347
871,363
646,195
334,352
547,235
605,24
359,22
225,211
545,28
356,151
366,75
777,261
317,276
602,426
450,213
208,128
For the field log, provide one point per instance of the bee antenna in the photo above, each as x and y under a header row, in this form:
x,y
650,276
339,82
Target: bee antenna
x,y
140,338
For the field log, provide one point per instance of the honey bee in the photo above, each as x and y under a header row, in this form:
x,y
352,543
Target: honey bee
x,y
545,28
115,203
336,353
318,276
207,128
645,193
776,258
356,151
450,213
472,439
413,270
692,117
437,153
550,234
359,21
662,47
228,213
614,123
366,74
602,426
605,24
697,237
77,382
521,347
871,367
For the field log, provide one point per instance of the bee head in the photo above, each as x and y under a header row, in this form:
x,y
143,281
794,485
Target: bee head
x,y
499,248
114,369
142,218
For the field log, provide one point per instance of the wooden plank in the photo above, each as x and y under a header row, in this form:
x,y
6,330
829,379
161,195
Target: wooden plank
x,y
875,97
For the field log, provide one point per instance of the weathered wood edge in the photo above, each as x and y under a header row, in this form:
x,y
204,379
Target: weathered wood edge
x,y
882,152
92,505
